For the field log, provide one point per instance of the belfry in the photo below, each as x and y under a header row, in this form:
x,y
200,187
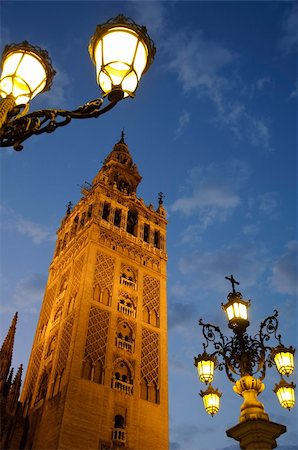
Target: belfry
x,y
97,375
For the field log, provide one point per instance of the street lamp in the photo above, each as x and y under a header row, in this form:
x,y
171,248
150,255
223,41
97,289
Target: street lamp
x,y
244,356
121,51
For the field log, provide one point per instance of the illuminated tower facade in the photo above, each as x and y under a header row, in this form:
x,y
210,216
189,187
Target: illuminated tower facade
x,y
97,375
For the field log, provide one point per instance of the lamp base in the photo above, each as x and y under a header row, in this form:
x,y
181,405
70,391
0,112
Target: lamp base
x,y
256,434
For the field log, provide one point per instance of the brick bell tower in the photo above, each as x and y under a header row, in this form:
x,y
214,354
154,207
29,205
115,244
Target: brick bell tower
x,y
97,375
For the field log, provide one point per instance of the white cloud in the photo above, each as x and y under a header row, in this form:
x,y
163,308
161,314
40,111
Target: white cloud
x,y
213,193
285,270
207,68
246,260
268,203
29,292
57,96
289,40
261,83
12,221
183,121
294,93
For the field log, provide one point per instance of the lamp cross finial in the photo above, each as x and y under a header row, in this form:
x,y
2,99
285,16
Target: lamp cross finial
x,y
233,282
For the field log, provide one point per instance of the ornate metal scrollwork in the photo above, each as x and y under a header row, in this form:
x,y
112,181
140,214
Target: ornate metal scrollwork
x,y
242,354
20,127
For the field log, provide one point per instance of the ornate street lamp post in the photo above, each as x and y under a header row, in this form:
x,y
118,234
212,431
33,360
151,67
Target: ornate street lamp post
x,y
246,356
121,51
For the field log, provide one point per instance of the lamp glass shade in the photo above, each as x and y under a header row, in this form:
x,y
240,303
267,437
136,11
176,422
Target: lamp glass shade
x,y
237,310
205,365
211,400
23,76
120,59
121,51
286,394
284,361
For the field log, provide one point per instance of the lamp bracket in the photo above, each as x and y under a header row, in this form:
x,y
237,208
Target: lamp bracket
x,y
242,354
20,127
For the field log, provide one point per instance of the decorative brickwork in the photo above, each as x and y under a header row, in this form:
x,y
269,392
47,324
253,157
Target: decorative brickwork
x,y
76,277
104,271
150,356
151,294
116,242
48,304
64,344
97,335
34,369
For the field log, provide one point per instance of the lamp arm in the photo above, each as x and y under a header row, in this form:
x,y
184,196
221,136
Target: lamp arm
x,y
269,327
17,130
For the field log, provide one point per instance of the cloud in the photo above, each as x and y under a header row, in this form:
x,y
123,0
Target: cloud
x,y
207,68
12,221
27,295
246,260
57,97
180,315
289,40
262,82
268,203
285,270
214,194
294,93
151,13
183,121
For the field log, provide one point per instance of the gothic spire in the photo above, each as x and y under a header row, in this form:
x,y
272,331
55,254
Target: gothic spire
x,y
7,349
118,170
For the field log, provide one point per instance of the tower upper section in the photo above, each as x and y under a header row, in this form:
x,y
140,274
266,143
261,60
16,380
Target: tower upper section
x,y
119,170
112,203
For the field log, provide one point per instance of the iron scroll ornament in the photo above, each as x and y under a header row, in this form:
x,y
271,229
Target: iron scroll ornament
x,y
20,127
242,354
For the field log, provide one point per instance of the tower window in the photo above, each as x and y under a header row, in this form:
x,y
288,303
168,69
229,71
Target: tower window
x,y
132,221
146,232
124,339
127,307
156,239
106,211
117,217
118,434
122,378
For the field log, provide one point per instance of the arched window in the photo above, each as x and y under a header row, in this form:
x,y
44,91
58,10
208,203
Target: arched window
x,y
118,434
96,293
154,319
122,378
87,369
57,315
119,421
106,297
132,222
43,387
156,239
106,211
75,225
152,392
146,317
98,373
146,232
117,217
52,346
71,304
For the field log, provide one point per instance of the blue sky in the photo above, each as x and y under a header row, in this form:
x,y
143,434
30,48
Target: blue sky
x,y
213,126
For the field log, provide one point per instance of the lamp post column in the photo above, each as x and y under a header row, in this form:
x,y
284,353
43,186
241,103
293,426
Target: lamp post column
x,y
256,434
6,105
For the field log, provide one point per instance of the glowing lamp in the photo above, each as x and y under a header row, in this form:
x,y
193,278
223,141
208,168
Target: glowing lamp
x,y
121,51
237,312
286,394
211,400
205,364
284,359
26,71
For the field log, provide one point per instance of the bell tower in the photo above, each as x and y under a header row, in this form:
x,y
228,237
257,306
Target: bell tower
x,y
97,375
